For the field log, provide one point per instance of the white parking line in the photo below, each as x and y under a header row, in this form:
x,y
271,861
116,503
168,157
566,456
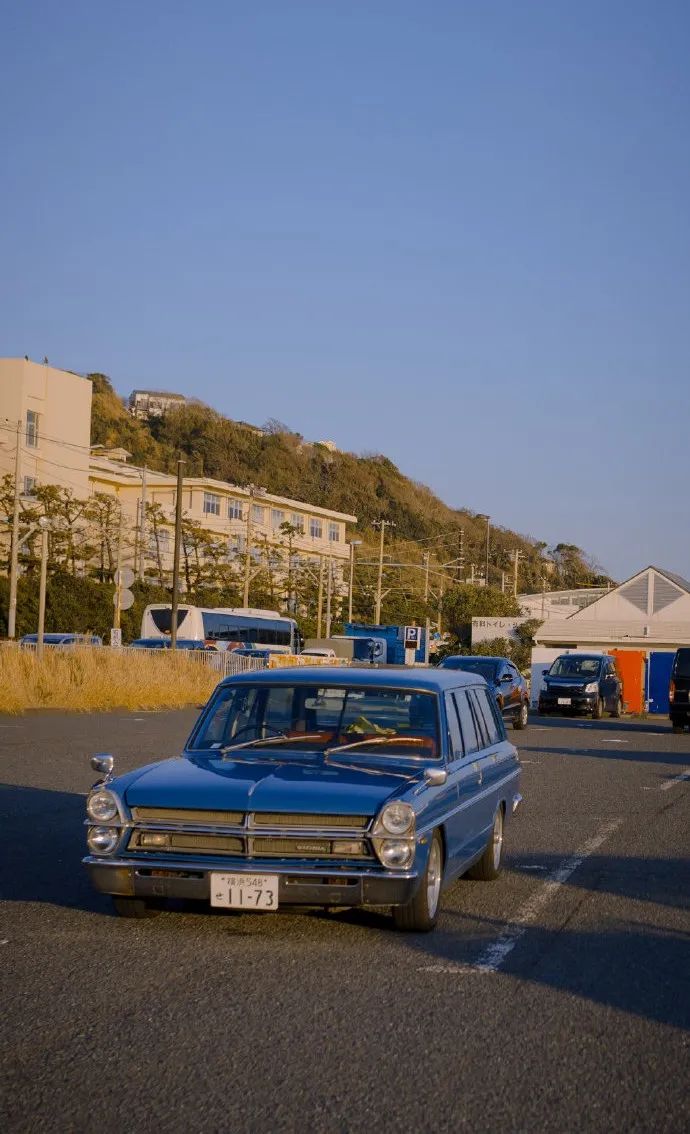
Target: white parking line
x,y
495,954
676,780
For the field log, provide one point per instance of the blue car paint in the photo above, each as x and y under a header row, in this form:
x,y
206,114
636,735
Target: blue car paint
x,y
463,808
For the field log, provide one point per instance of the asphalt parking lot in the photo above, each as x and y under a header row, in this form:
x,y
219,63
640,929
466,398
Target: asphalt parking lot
x,y
557,998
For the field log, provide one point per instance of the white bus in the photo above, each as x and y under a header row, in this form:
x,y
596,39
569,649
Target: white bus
x,y
224,628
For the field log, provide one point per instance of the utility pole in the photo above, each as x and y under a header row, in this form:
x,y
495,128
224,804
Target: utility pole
x,y
329,588
382,524
45,525
517,554
503,582
320,601
14,559
253,491
142,527
427,622
353,544
118,570
176,556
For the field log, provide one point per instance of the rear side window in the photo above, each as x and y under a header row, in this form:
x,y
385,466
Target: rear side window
x,y
681,665
487,715
454,734
469,732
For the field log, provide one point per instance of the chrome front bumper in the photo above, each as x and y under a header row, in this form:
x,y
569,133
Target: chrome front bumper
x,y
316,885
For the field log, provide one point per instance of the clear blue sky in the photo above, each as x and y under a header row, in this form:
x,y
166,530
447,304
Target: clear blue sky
x,y
454,232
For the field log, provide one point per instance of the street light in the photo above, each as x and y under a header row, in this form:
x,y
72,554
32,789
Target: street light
x,y
483,516
353,544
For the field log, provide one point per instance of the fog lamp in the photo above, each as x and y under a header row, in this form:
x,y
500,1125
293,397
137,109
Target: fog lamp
x,y
102,840
154,839
347,847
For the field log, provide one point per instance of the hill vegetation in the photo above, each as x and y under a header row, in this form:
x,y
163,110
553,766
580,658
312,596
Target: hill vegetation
x,y
370,486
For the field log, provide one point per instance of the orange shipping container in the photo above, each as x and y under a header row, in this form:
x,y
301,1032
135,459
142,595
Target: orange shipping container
x,y
630,665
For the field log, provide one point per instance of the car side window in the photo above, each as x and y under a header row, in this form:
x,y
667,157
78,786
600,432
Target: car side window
x,y
454,735
472,741
487,716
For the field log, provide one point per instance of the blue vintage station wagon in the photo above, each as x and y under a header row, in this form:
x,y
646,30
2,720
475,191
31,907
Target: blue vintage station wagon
x,y
336,787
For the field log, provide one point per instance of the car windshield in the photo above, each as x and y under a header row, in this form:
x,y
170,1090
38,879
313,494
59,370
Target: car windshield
x,y
575,667
485,669
316,717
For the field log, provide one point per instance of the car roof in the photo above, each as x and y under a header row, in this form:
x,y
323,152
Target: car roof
x,y
433,680
474,658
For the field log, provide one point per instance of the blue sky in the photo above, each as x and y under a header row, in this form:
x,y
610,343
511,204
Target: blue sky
x,y
456,233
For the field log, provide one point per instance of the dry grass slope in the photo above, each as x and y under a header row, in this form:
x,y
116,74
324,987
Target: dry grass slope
x,y
87,680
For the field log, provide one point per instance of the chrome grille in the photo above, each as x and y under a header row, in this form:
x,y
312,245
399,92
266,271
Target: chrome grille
x,y
301,848
188,815
313,822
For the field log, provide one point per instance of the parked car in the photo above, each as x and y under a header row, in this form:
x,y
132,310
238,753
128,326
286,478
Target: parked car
x,y
318,652
251,652
503,678
679,690
62,640
164,644
582,683
314,788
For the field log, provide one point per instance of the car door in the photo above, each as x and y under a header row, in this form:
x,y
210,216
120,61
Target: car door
x,y
462,832
609,685
514,692
495,759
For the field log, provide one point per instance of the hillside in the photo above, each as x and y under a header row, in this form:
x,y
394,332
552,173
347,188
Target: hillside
x,y
369,486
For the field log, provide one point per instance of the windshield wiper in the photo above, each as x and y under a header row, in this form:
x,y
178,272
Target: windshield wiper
x,y
357,743
269,740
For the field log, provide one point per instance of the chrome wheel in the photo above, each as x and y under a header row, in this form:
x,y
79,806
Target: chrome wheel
x,y
497,840
433,878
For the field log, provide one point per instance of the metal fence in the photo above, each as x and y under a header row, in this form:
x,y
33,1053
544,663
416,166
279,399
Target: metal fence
x,y
224,663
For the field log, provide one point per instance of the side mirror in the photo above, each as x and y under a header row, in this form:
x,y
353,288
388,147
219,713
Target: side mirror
x,y
435,777
103,763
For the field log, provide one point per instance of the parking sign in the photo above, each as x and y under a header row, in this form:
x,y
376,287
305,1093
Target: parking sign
x,y
412,637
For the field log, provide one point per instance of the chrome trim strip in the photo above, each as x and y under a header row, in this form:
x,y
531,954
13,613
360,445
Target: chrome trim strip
x,y
260,866
467,803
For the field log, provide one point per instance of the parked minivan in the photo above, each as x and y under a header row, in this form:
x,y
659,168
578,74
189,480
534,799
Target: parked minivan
x,y
679,690
582,683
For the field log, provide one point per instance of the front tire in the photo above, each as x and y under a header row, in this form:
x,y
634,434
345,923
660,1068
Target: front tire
x,y
678,727
598,710
618,711
421,913
520,721
133,907
489,866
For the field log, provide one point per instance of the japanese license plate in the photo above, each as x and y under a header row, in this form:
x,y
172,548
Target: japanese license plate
x,y
245,891
565,701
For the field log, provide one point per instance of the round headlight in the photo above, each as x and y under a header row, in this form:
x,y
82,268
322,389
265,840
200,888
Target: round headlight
x,y
397,855
102,840
101,806
397,818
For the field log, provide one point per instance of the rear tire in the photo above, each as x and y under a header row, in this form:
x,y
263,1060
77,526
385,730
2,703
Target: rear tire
x,y
598,710
520,721
489,866
133,907
421,913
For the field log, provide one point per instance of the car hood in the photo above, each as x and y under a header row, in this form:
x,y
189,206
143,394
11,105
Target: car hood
x,y
309,787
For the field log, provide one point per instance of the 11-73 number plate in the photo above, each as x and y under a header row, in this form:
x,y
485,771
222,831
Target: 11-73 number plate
x,y
245,891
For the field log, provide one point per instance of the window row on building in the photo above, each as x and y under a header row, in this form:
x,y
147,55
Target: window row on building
x,y
262,516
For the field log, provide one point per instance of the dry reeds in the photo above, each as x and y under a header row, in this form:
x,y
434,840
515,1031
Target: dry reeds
x,y
86,680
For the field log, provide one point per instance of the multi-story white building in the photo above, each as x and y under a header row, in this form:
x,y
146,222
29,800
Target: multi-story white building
x,y
49,411
154,403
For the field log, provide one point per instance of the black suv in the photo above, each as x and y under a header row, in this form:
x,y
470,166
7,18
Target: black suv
x,y
679,690
504,680
582,683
